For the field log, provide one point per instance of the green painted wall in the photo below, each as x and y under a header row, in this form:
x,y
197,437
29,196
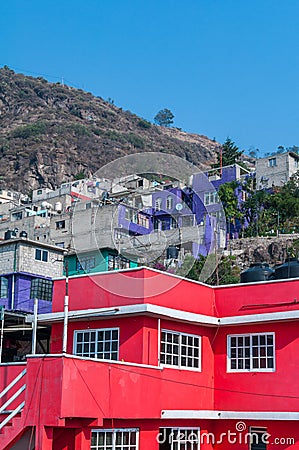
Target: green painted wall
x,y
91,262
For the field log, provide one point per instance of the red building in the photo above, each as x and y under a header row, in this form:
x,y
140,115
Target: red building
x,y
156,362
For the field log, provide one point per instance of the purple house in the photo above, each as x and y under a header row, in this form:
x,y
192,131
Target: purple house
x,y
170,209
206,202
26,271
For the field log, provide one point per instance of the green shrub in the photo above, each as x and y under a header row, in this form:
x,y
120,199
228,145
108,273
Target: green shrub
x,y
27,131
78,130
142,123
135,140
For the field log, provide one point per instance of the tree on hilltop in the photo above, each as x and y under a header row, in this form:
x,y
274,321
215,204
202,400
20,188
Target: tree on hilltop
x,y
164,118
228,155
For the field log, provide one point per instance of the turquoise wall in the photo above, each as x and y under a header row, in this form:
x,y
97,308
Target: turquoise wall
x,y
100,260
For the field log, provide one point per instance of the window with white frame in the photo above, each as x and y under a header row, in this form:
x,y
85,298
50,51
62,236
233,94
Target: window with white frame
x,y
143,220
211,198
169,202
117,439
102,343
158,203
180,350
179,438
251,352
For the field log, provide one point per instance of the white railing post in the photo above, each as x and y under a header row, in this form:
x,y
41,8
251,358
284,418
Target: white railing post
x,y
34,328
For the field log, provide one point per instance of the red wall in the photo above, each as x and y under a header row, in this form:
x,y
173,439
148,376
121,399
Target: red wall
x,y
67,387
280,430
138,337
7,374
259,391
146,286
140,286
269,297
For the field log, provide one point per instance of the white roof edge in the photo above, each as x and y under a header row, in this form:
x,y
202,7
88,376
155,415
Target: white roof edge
x,y
30,242
243,415
170,313
261,317
141,308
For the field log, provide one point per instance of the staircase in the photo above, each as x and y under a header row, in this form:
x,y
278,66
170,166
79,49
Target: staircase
x,y
11,419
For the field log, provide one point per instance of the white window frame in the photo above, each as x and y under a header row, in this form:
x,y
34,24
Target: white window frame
x,y
114,431
180,443
211,198
169,202
158,203
96,330
179,365
251,369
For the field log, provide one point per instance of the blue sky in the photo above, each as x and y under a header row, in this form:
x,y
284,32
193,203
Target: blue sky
x,y
223,67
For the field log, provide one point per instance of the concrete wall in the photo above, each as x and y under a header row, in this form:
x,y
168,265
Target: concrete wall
x,y
267,175
20,257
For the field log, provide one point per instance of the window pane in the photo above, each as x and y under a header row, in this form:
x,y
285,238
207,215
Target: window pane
x,y
176,346
95,344
45,256
41,288
251,352
4,287
114,439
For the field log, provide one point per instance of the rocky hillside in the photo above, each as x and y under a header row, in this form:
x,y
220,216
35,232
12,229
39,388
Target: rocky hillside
x,y
50,133
273,250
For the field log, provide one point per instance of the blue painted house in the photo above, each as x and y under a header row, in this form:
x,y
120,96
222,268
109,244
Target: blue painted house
x,y
26,271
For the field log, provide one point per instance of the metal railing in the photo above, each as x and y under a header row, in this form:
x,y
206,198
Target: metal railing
x,y
3,408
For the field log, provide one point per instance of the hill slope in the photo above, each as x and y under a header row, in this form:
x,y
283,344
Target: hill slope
x,y
50,133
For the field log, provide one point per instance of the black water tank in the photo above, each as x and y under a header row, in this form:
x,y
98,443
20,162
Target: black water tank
x,y
10,234
257,272
290,269
172,252
23,234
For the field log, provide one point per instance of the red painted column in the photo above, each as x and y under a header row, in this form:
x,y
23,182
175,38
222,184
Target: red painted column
x,y
148,440
44,438
82,439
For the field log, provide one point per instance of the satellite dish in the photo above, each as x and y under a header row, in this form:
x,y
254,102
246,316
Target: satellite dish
x,y
179,206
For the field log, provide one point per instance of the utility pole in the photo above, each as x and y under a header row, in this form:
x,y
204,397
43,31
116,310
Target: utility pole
x,y
216,257
2,332
66,308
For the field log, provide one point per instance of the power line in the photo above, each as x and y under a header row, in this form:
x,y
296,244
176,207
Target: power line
x,y
30,72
